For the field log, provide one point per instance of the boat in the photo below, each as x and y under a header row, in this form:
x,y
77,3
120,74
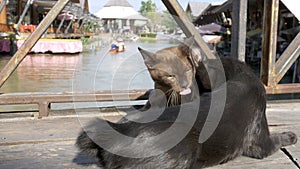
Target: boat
x,y
117,47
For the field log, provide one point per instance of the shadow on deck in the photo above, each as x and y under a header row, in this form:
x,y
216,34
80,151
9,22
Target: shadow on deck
x,y
28,142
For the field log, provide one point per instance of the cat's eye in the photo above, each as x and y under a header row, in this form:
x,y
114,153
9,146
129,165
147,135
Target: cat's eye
x,y
171,76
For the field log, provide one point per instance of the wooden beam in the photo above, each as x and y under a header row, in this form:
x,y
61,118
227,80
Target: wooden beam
x,y
45,99
288,58
187,27
269,42
239,29
31,41
67,97
283,88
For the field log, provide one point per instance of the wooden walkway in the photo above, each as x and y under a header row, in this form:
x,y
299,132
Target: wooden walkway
x,y
27,142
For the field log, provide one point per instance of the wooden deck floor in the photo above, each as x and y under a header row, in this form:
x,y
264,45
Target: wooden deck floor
x,y
26,142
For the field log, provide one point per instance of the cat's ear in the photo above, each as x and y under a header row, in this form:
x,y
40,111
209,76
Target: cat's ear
x,y
149,58
192,51
186,45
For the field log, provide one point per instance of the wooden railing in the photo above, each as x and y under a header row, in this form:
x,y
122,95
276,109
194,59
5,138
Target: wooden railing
x,y
45,99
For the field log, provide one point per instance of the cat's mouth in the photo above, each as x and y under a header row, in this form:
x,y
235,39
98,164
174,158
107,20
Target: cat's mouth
x,y
185,91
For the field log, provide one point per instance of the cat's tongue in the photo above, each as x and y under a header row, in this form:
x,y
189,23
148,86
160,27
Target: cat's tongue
x,y
185,91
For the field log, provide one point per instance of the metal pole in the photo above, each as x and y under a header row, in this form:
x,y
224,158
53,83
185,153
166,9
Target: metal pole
x,y
187,27
239,28
62,21
31,41
29,2
69,25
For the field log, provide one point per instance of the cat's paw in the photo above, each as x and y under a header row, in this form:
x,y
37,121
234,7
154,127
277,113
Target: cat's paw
x,y
288,138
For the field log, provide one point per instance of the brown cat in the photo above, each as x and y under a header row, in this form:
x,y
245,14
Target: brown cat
x,y
241,128
172,71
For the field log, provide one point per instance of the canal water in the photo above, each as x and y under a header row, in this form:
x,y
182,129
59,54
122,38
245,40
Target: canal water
x,y
87,71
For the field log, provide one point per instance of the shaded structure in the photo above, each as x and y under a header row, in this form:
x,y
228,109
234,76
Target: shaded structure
x,y
119,15
270,36
25,15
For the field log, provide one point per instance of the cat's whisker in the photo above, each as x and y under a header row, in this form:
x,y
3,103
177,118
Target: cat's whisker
x,y
170,99
174,100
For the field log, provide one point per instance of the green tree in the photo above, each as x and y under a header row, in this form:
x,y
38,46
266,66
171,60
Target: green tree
x,y
169,22
147,6
154,20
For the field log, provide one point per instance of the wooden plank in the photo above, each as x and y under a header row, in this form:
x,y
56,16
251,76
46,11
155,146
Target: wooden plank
x,y
64,97
239,29
269,41
50,143
45,99
31,41
288,58
283,88
187,27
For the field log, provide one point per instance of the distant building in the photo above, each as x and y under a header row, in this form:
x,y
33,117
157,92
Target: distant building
x,y
194,9
119,15
209,14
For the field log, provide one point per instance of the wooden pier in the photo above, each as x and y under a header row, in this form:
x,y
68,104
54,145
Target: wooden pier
x,y
49,142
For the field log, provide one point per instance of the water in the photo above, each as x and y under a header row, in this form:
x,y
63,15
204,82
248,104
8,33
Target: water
x,y
87,71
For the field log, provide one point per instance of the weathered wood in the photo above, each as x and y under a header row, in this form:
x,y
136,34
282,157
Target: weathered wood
x,y
50,142
44,99
31,41
283,88
44,109
269,41
187,27
288,58
239,29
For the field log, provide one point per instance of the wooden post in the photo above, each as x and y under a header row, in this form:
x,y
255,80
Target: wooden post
x,y
187,27
239,29
269,42
31,41
44,109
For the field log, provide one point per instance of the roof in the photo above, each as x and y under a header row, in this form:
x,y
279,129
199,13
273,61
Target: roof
x,y
123,3
119,12
197,7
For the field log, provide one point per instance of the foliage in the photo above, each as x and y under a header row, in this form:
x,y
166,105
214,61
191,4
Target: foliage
x,y
168,21
158,21
146,7
148,35
154,20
